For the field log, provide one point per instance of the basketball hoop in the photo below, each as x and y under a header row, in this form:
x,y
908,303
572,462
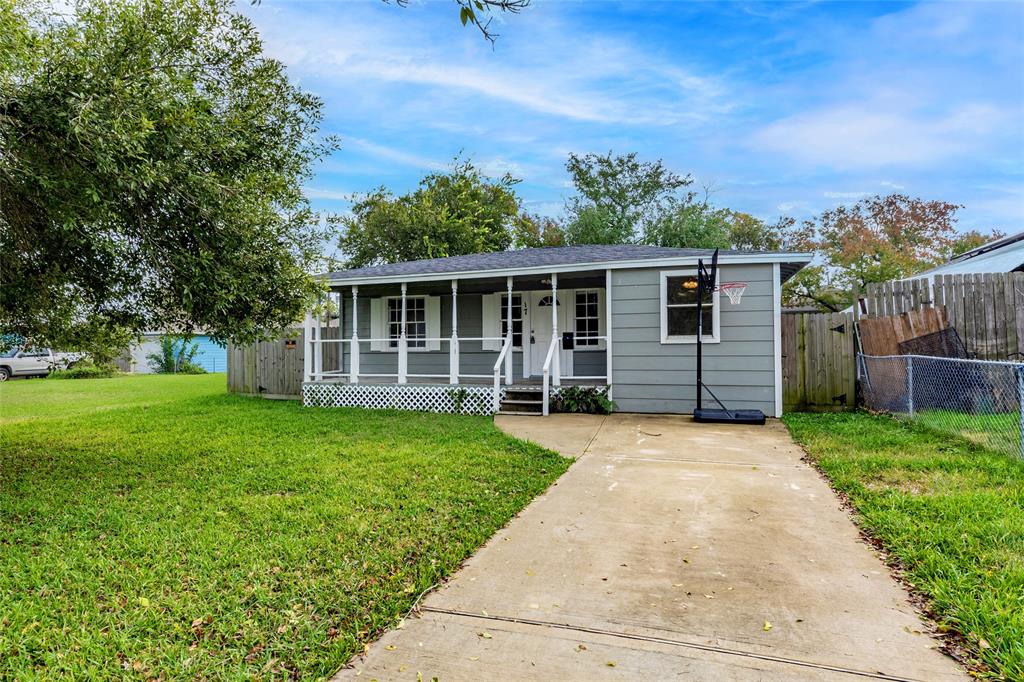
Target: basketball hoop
x,y
734,290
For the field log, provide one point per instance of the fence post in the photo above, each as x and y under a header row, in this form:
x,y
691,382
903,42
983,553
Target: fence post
x,y
910,385
1020,405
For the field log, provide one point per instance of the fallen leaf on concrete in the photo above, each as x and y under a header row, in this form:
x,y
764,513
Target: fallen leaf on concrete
x,y
610,664
709,596
767,626
694,546
485,635
677,584
474,658
391,647
581,647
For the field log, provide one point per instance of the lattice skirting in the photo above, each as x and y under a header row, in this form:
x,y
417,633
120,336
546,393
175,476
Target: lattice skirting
x,y
417,397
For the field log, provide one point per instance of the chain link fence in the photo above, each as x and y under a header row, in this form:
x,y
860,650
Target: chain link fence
x,y
979,400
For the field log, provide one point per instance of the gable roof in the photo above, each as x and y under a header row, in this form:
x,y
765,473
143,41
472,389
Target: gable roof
x,y
560,258
1000,255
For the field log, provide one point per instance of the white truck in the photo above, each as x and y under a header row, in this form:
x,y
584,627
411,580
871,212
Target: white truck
x,y
31,362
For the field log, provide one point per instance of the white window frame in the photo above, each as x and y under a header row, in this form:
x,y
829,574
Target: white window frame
x,y
523,318
432,311
716,309
388,323
601,344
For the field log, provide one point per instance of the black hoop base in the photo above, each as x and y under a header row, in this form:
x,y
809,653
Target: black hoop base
x,y
714,416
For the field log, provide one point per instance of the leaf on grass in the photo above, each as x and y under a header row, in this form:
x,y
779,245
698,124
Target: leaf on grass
x,y
143,602
983,643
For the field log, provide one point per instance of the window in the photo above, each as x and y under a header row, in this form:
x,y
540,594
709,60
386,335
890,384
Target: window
x,y
587,318
415,321
517,319
679,309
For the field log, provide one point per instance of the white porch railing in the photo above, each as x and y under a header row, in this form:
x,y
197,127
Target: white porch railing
x,y
547,374
505,350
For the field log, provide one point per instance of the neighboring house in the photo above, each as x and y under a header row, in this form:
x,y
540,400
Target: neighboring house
x,y
618,318
211,356
1000,255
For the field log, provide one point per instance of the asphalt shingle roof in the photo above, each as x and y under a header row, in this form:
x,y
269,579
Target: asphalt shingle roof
x,y
529,258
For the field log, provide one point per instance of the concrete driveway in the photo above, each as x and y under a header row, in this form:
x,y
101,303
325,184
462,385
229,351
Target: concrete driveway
x,y
670,550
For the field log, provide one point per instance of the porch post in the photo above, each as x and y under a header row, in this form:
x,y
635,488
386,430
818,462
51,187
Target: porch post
x,y
353,367
318,353
307,347
608,330
403,348
453,347
557,360
508,337
341,332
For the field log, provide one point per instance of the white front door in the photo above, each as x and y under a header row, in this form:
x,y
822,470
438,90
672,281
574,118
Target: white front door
x,y
540,330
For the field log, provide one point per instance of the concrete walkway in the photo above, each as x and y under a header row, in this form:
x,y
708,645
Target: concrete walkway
x,y
670,550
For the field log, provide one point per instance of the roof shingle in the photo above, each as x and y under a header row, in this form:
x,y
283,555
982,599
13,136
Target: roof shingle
x,y
529,258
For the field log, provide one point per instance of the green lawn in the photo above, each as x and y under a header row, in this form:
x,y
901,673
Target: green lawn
x,y
155,526
951,512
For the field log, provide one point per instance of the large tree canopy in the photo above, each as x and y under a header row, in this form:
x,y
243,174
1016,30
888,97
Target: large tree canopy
x,y
618,196
151,163
451,213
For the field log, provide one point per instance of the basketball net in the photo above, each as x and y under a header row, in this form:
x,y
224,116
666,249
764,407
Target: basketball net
x,y
734,290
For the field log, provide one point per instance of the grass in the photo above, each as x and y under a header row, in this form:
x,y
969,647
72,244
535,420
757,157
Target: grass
x,y
156,527
949,511
996,431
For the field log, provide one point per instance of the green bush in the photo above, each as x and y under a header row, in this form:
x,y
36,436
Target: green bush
x,y
175,356
584,399
84,369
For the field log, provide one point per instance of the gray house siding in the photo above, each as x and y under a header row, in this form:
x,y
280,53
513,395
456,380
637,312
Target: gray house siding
x,y
649,376
472,358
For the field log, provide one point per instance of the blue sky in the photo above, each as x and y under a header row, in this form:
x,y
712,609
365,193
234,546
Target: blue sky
x,y
781,108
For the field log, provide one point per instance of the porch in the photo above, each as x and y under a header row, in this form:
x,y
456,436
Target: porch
x,y
458,343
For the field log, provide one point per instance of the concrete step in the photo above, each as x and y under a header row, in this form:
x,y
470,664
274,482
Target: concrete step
x,y
515,413
516,401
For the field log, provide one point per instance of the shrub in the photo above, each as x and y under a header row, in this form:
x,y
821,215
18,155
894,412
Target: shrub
x,y
84,369
583,399
175,356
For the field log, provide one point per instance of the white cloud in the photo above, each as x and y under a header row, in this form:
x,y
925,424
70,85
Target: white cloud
x,y
397,155
864,136
333,195
844,195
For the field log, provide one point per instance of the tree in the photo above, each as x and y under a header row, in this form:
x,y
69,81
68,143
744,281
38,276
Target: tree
x,y
970,240
883,238
451,214
617,196
532,231
479,13
690,225
151,164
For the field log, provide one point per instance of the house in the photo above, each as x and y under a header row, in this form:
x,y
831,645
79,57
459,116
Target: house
x,y
507,331
211,355
1000,255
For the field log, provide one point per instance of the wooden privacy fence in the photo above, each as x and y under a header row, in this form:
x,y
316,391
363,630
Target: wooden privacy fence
x,y
987,310
273,369
818,361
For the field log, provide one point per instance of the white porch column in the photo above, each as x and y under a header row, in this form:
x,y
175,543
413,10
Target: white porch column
x,y
403,346
453,347
353,367
318,334
341,331
556,369
608,329
307,347
508,316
